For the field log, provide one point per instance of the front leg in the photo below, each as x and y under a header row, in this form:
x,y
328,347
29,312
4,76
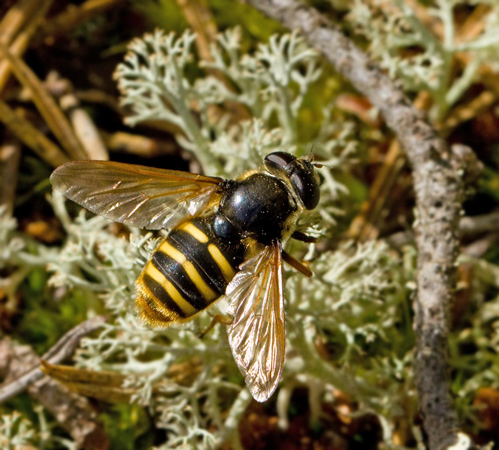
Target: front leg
x,y
299,236
299,266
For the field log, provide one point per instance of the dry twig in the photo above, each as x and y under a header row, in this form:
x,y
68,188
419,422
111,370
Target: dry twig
x,y
18,27
479,247
60,351
439,192
200,19
10,155
48,108
19,364
30,136
472,225
366,226
16,18
84,127
136,144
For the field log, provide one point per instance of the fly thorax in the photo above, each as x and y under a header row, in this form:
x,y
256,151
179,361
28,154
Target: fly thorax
x,y
258,206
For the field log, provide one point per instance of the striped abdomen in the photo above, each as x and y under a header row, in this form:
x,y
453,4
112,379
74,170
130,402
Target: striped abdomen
x,y
189,270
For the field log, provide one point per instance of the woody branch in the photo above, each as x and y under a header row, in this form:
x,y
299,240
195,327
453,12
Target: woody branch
x,y
439,192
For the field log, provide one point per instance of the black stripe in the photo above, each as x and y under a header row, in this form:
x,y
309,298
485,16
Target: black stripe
x,y
233,252
159,292
146,310
198,254
176,274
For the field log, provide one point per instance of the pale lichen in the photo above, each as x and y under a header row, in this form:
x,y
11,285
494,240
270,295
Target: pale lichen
x,y
419,45
348,327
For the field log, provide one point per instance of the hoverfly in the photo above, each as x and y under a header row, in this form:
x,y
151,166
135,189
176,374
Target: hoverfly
x,y
226,238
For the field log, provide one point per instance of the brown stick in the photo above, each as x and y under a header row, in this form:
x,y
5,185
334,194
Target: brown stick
x,y
10,155
21,23
16,18
60,351
30,136
471,225
201,20
366,226
439,192
20,365
46,105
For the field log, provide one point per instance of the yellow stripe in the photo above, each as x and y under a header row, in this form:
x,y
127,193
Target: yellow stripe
x,y
176,296
195,232
173,252
225,267
203,288
189,268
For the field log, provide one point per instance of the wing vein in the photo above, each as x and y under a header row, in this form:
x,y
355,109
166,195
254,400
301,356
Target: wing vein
x,y
139,196
257,336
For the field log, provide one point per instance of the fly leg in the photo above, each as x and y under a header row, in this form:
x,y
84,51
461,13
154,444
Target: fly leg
x,y
299,236
217,318
299,266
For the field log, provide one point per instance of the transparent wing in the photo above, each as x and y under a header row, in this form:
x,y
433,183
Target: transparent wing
x,y
257,336
140,196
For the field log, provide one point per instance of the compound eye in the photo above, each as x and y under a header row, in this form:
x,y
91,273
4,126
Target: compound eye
x,y
306,184
278,160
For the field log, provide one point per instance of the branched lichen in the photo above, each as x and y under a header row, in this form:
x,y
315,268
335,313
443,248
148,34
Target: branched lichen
x,y
352,300
416,55
272,82
17,432
348,327
353,309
